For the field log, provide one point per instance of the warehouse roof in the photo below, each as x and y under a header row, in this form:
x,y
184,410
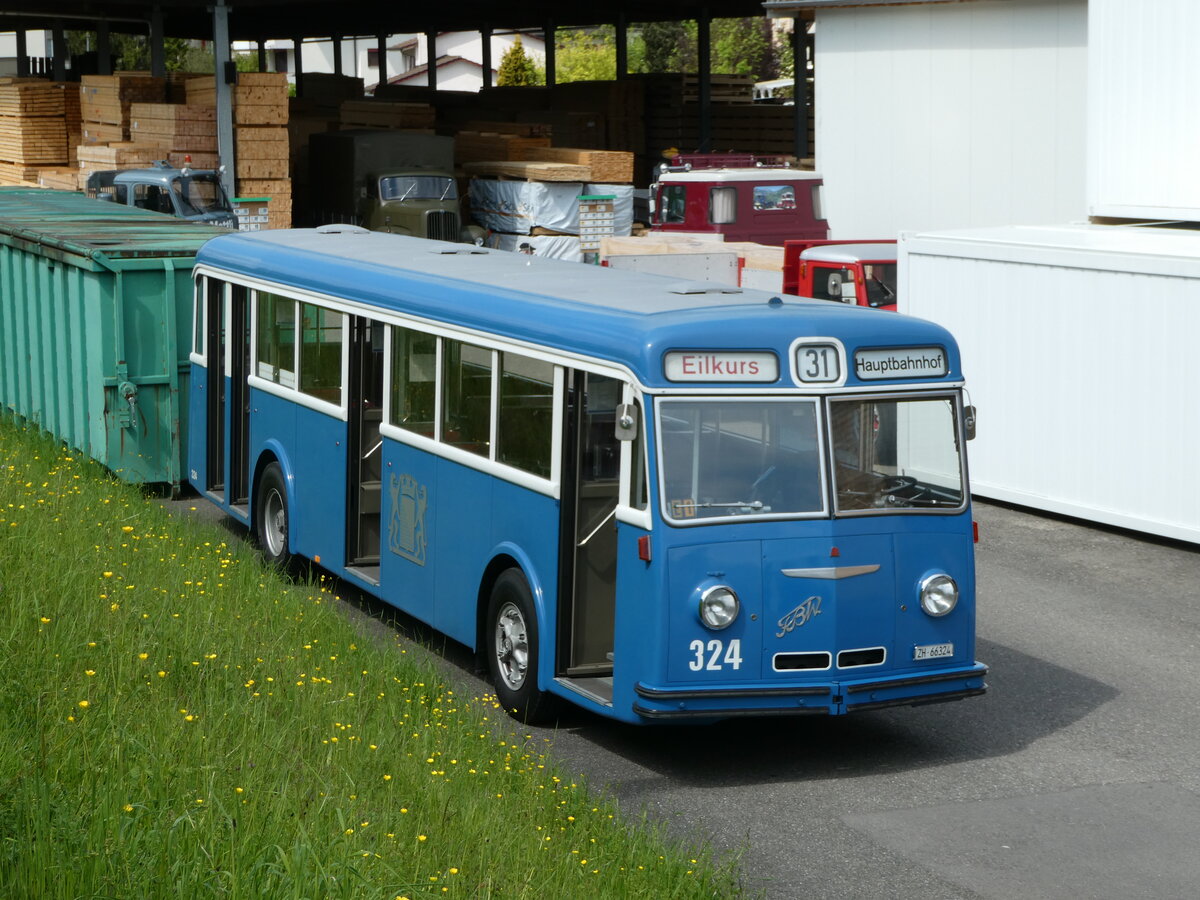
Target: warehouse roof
x,y
262,19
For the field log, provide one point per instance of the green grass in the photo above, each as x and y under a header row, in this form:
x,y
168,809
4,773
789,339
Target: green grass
x,y
178,720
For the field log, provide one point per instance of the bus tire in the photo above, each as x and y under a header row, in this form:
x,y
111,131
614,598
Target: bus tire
x,y
271,517
512,649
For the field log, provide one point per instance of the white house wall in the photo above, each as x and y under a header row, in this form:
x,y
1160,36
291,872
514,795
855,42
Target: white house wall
x,y
1078,350
1143,127
951,115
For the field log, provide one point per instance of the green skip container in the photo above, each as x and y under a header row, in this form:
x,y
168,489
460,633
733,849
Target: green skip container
x,y
96,327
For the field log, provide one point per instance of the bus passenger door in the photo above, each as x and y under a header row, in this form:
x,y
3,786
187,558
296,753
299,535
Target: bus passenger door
x,y
364,478
591,488
228,401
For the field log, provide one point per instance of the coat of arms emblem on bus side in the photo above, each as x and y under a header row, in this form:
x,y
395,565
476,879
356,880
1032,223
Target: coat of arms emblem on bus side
x,y
406,527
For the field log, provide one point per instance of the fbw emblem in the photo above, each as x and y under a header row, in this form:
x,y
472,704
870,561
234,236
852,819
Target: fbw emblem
x,y
406,528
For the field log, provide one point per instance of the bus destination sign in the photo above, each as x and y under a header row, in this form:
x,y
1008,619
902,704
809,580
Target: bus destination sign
x,y
721,365
907,362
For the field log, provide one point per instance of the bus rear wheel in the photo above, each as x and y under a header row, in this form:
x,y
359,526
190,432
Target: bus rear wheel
x,y
271,517
512,649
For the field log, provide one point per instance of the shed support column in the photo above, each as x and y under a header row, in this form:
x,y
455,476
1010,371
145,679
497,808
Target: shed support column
x,y
22,54
61,54
298,63
800,87
548,37
158,56
103,49
262,54
704,64
622,28
431,53
381,53
485,46
337,54
225,145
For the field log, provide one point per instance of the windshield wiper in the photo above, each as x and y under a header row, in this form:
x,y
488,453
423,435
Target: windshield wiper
x,y
738,504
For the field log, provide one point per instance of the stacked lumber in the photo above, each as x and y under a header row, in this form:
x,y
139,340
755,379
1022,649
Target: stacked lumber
x,y
721,88
605,166
17,174
117,155
72,118
520,129
529,171
183,128
479,146
177,83
105,101
59,178
262,148
200,90
387,114
32,125
261,98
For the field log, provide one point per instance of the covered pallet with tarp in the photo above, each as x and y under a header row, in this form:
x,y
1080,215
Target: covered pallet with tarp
x,y
96,327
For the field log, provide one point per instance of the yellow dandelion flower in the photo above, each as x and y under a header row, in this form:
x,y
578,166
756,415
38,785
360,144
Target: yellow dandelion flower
x,y
387,777
143,656
83,704
127,528
45,620
422,837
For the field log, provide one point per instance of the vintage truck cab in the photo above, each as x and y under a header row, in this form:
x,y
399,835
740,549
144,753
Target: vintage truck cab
x,y
193,194
741,196
860,273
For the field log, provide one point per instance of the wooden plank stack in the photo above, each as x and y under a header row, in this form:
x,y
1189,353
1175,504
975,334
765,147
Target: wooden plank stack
x,y
117,155
105,102
184,128
387,114
529,171
479,146
32,128
605,166
261,145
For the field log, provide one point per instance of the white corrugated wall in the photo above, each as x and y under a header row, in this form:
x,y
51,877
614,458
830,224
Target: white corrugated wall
x,y
1081,359
1143,129
951,115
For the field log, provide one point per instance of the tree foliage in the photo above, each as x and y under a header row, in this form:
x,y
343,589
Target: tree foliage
x,y
585,54
517,69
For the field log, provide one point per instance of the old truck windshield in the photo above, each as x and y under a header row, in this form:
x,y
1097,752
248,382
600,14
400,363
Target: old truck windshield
x,y
417,187
200,194
749,457
896,454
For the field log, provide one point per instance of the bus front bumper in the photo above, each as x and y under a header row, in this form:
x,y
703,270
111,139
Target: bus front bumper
x,y
822,698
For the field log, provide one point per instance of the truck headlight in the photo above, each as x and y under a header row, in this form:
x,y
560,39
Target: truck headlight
x,y
939,594
719,606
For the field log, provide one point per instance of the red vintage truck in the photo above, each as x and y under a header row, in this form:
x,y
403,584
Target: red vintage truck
x,y
739,195
857,272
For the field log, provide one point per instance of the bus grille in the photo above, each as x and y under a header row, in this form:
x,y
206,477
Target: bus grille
x,y
441,225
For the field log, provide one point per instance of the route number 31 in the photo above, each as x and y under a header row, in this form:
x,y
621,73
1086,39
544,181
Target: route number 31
x,y
714,656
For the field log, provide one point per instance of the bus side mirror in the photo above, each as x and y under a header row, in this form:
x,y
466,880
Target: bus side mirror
x,y
626,422
969,422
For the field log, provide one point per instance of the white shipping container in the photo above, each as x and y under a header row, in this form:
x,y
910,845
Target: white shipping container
x,y
1079,347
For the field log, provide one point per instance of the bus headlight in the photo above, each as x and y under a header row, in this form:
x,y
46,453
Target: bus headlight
x,y
939,594
719,606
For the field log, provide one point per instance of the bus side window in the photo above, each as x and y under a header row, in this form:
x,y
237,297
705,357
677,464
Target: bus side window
x,y
639,496
321,352
525,422
276,350
414,376
466,396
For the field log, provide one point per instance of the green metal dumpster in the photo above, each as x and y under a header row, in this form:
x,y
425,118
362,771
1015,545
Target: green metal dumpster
x,y
95,327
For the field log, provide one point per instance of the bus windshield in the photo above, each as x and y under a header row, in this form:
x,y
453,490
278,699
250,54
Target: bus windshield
x,y
725,458
896,454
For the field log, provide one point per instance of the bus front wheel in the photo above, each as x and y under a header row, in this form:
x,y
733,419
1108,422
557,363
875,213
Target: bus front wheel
x,y
512,649
271,516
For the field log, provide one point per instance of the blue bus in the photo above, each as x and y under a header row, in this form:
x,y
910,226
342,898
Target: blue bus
x,y
658,500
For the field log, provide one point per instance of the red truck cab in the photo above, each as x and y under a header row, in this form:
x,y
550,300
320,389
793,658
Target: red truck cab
x,y
862,273
742,196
